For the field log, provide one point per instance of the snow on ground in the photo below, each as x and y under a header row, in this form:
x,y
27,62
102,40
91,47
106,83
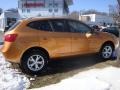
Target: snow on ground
x,y
95,79
11,79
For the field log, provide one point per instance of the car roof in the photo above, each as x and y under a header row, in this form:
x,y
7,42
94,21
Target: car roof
x,y
47,18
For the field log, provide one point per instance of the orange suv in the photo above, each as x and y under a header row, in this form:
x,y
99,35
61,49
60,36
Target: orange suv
x,y
32,42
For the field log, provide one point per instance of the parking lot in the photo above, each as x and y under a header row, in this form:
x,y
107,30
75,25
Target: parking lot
x,y
67,67
60,45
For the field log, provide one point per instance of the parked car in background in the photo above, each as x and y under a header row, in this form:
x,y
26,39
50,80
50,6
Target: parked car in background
x,y
112,30
33,42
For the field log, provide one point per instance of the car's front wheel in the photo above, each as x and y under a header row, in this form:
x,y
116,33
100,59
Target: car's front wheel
x,y
106,51
34,62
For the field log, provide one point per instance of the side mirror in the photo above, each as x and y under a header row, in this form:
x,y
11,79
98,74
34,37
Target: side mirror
x,y
94,31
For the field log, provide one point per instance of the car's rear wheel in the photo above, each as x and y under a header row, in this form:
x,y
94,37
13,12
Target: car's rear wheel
x,y
34,62
106,51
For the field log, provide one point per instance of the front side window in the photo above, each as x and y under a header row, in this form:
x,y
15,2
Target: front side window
x,y
40,25
76,26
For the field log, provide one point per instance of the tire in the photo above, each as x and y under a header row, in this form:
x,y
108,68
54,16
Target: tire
x,y
106,51
34,62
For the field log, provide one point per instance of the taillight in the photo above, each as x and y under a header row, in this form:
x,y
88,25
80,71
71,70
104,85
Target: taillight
x,y
10,37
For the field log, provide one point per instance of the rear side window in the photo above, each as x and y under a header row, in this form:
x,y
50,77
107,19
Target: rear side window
x,y
58,25
40,25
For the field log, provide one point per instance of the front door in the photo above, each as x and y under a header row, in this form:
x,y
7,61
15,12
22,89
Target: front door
x,y
79,39
95,40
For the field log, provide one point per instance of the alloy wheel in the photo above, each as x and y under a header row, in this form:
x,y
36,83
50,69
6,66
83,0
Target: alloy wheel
x,y
35,62
107,52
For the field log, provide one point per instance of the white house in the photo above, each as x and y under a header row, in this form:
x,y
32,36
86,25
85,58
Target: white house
x,y
7,19
96,19
33,8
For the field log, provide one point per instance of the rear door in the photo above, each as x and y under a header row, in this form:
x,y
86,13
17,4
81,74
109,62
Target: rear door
x,y
62,37
45,35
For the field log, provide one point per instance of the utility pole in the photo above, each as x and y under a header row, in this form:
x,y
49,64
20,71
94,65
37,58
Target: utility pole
x,y
118,2
119,6
118,59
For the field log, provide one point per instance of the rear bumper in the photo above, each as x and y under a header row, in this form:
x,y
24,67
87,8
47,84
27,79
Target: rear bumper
x,y
9,58
11,53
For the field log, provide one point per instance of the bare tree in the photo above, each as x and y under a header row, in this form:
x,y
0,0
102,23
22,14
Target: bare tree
x,y
114,12
118,2
74,15
119,7
118,59
93,11
13,10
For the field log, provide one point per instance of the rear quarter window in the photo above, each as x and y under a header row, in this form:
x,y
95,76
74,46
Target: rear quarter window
x,y
14,26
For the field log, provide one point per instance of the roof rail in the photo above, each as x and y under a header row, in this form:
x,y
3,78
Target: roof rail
x,y
47,17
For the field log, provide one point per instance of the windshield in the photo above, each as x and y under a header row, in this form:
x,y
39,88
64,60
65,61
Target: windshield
x,y
112,28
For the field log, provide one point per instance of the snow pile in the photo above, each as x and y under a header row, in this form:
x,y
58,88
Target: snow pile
x,y
95,79
10,79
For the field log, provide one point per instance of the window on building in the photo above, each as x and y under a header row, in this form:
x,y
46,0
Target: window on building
x,y
40,25
23,10
50,4
56,5
28,10
50,10
56,10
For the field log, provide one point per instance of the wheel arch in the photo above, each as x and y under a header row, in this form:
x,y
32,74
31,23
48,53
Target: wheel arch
x,y
35,48
108,42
